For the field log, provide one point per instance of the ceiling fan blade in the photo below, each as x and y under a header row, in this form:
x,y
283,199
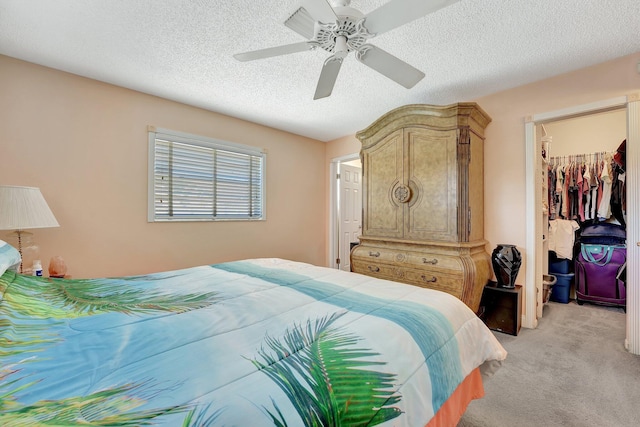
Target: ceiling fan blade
x,y
302,23
389,66
320,10
275,51
328,77
399,12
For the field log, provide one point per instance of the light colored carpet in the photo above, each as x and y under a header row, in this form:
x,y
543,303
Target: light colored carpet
x,y
573,370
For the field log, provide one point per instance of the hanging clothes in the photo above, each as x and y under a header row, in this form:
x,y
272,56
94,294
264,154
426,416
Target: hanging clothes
x,y
604,207
586,187
619,190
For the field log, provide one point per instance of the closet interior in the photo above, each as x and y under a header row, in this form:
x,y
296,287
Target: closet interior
x,y
584,210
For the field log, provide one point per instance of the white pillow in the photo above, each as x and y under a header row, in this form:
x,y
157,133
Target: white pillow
x,y
9,258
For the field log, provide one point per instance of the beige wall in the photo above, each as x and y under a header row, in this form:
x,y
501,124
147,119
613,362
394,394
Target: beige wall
x,y
594,133
84,143
342,147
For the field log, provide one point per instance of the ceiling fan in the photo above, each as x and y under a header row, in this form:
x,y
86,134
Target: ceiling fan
x,y
340,29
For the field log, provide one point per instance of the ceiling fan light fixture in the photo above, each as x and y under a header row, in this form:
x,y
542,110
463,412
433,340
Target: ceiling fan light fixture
x,y
341,45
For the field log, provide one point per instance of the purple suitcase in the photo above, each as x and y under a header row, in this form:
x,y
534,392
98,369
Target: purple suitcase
x,y
598,274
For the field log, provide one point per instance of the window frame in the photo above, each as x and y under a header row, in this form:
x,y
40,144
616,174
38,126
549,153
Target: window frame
x,y
205,142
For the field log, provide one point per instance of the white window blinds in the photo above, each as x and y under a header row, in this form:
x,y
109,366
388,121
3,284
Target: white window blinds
x,y
195,178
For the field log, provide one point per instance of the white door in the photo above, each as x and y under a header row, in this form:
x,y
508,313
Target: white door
x,y
350,211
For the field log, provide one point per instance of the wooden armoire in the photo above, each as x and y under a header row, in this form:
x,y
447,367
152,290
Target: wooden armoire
x,y
422,189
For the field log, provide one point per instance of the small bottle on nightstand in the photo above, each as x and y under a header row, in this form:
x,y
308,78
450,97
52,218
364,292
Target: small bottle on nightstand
x,y
37,268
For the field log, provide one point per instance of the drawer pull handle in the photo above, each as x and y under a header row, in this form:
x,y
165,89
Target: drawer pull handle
x,y
374,268
429,261
433,279
374,254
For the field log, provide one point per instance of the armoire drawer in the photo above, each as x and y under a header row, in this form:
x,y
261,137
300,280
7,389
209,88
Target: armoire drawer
x,y
434,262
376,269
376,255
449,283
427,278
408,259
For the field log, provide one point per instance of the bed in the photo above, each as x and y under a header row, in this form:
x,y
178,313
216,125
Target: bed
x,y
260,342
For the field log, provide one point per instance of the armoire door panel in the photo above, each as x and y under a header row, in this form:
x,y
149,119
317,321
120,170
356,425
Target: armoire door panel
x,y
432,170
383,215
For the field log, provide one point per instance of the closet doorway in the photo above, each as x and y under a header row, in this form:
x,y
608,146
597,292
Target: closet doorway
x,y
589,141
345,207
536,255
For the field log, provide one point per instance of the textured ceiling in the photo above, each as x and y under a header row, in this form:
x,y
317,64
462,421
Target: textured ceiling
x,y
183,50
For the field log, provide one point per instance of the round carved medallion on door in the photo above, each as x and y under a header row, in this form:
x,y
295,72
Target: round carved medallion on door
x,y
401,193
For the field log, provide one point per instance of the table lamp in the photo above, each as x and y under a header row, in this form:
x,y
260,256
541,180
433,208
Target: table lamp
x,y
23,208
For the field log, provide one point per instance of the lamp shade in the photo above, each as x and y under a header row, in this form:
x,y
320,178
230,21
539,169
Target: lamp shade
x,y
22,208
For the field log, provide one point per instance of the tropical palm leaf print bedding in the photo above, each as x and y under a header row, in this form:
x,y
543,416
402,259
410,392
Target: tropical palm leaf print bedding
x,y
256,342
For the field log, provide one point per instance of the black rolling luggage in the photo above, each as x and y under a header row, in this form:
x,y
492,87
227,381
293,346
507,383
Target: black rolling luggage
x,y
603,233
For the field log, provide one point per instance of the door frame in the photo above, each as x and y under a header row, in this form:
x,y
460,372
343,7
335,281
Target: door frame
x,y
534,244
334,206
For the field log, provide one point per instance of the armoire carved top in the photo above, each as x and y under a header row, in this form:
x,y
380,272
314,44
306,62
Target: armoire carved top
x,y
440,117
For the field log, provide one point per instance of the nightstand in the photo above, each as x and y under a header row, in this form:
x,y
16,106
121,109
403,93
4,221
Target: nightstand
x,y
501,308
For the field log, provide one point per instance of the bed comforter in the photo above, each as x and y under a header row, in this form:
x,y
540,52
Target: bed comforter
x,y
255,342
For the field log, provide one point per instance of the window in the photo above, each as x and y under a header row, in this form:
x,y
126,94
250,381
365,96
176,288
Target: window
x,y
193,178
